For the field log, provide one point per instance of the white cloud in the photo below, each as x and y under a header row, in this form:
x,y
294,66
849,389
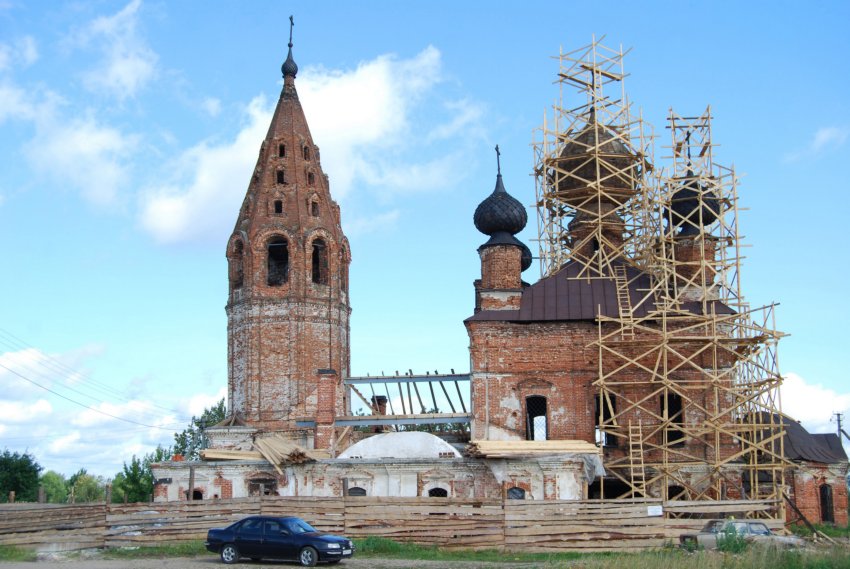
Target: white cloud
x,y
372,124
212,180
825,139
202,401
812,404
211,106
364,225
128,63
14,412
22,51
90,156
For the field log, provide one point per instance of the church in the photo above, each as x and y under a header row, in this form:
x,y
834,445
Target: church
x,y
633,368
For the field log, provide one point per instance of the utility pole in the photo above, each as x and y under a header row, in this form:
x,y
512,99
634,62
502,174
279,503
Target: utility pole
x,y
841,432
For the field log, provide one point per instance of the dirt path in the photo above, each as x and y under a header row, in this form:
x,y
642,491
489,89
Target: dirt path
x,y
93,562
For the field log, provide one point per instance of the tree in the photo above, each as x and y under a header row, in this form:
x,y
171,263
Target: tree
x,y
55,487
18,473
136,479
192,440
86,488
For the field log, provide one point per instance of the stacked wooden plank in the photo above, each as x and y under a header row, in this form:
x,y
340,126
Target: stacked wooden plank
x,y
53,527
227,454
589,525
279,450
520,449
444,522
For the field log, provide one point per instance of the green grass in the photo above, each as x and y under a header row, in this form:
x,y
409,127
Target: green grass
x,y
12,553
381,547
184,549
826,529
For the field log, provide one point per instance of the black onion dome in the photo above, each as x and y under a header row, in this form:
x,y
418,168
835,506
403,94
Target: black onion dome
x,y
289,67
500,212
693,204
526,258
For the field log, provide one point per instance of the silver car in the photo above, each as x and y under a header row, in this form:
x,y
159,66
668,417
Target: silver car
x,y
751,531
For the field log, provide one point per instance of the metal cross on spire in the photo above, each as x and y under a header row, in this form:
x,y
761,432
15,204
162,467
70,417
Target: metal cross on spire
x,y
498,161
291,25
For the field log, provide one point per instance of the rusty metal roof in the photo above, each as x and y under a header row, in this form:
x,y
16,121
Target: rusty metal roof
x,y
568,295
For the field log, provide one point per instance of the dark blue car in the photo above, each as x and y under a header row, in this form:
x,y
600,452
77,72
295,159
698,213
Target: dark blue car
x,y
270,537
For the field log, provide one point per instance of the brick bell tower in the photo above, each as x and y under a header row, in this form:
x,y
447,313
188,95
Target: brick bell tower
x,y
288,309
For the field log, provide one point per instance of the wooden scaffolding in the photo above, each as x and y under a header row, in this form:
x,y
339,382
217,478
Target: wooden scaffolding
x,y
688,388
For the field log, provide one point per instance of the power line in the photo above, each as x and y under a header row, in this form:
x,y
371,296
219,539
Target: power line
x,y
25,378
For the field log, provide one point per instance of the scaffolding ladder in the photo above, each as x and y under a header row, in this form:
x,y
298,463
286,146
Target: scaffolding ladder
x,y
638,472
624,302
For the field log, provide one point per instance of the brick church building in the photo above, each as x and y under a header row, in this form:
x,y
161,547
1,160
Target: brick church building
x,y
566,398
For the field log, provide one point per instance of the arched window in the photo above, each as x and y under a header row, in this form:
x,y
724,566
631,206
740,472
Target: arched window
x,y
438,493
236,265
356,491
306,153
320,262
314,208
516,493
827,509
536,425
311,179
281,176
278,263
278,206
671,408
281,151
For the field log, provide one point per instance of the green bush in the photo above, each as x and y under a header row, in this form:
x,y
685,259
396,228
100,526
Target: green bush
x,y
730,542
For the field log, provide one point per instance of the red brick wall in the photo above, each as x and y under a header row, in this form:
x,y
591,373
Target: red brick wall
x,y
805,481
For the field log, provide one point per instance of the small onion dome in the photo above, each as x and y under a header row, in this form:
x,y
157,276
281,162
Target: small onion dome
x,y
578,160
693,205
500,213
289,67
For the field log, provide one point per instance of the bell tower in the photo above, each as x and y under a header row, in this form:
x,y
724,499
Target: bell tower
x,y
288,309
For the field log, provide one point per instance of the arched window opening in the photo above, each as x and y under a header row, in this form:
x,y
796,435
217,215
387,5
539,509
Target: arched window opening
x,y
671,408
438,493
320,262
197,495
281,176
516,493
827,508
675,492
314,208
236,265
356,491
278,206
536,428
606,408
278,264
281,151
311,179
306,153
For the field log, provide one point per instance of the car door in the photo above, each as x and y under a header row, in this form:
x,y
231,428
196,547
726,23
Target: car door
x,y
278,542
249,538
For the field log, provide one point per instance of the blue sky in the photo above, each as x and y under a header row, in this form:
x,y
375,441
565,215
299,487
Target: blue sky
x,y
129,131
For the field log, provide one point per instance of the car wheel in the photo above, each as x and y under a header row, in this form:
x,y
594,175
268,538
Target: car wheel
x,y
308,557
229,554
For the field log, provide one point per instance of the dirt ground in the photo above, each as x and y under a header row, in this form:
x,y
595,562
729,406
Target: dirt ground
x,y
93,562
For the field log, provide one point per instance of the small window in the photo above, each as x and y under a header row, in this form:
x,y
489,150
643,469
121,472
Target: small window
x,y
320,262
827,506
306,153
278,206
281,150
516,493
438,493
314,208
236,264
356,491
281,176
311,179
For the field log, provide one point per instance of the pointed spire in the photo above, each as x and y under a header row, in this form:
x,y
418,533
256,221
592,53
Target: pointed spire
x,y
289,67
498,161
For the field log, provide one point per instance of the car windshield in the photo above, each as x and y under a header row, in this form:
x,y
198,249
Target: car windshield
x,y
759,529
299,526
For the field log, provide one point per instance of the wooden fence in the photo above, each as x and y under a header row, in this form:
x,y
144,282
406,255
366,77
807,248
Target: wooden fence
x,y
588,525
